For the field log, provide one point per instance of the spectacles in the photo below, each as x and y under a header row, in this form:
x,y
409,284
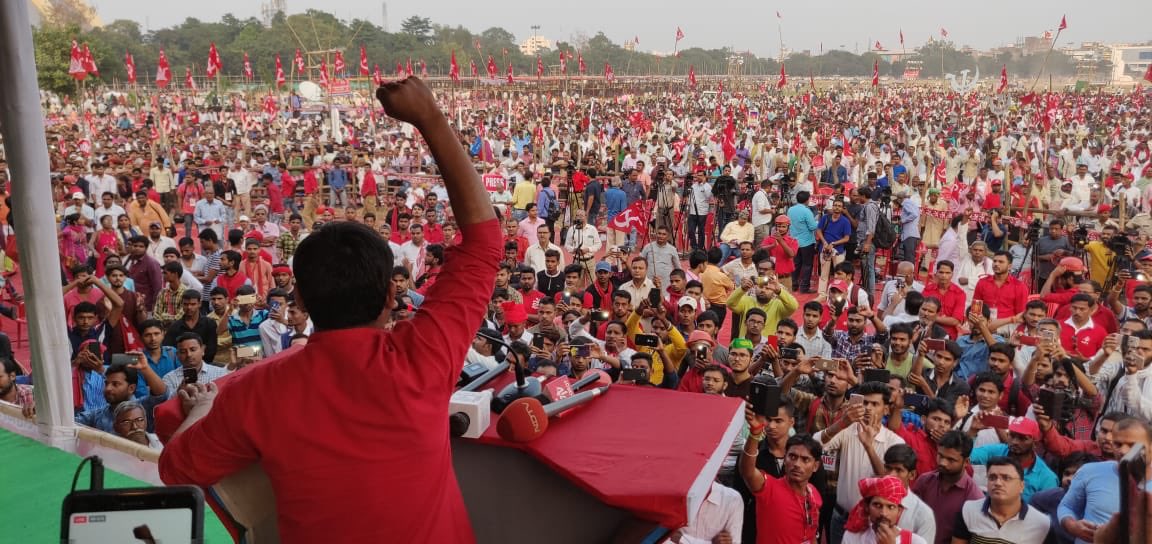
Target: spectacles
x,y
137,421
1006,478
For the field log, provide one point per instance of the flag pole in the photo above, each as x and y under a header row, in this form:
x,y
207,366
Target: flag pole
x,y
1044,64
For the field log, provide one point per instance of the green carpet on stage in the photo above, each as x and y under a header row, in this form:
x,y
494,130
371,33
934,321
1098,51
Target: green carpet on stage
x,y
34,479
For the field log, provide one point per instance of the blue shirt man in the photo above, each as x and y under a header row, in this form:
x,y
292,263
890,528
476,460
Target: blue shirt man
x,y
338,179
1094,494
615,200
835,229
163,365
975,355
803,227
1037,477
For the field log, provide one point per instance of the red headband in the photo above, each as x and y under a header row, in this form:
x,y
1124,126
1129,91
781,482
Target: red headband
x,y
282,269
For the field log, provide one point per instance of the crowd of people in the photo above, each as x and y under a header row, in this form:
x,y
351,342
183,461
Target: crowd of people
x,y
951,294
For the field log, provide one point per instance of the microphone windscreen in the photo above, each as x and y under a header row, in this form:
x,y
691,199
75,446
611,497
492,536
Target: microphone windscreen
x,y
524,420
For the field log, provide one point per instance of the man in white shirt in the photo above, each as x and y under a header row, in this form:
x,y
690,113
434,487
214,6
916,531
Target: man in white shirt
x,y
1081,197
875,518
87,214
108,206
100,182
157,242
277,331
904,282
971,268
534,255
900,461
761,213
244,181
859,441
582,241
412,252
721,515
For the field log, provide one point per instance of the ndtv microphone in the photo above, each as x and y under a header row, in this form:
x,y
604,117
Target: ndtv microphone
x,y
526,419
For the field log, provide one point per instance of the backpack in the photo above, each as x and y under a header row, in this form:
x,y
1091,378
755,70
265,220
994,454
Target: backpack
x,y
885,236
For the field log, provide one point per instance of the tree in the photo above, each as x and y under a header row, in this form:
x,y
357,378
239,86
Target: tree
x,y
69,13
419,27
52,46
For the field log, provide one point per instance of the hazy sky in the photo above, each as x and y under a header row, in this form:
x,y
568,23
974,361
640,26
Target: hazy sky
x,y
745,25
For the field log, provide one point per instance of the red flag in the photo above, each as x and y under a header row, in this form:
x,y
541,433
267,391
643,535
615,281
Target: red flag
x,y
692,75
878,47
188,81
901,37
338,64
130,67
608,73
408,68
563,63
1148,74
635,216
214,63
728,141
943,32
377,77
163,71
280,80
472,66
270,105
453,68
323,73
783,78
1063,23
90,63
423,69
299,62
363,60
1003,79
1028,99
247,67
580,66
511,76
539,66
491,67
76,63
399,70
875,73
679,34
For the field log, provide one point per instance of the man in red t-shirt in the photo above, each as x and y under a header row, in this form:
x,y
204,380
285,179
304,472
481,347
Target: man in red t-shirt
x,y
333,473
1079,335
788,508
952,300
783,247
1001,292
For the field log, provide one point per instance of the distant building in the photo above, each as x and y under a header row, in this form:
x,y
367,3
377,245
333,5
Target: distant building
x,y
535,43
1130,62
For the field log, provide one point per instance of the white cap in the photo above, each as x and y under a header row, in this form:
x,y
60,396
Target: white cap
x,y
78,194
687,301
243,218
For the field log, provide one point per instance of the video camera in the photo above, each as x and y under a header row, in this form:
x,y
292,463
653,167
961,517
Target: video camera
x,y
1034,229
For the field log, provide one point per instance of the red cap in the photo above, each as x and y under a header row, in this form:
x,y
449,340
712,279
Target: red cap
x,y
839,285
1072,264
514,313
1024,426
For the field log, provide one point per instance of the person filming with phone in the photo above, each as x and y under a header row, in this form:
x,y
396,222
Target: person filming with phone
x,y
392,480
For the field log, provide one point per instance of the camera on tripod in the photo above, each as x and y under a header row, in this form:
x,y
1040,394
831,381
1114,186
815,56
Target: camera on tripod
x,y
1080,237
1034,229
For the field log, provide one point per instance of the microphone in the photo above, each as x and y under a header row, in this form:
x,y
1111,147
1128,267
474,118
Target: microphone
x,y
524,387
486,377
526,419
469,413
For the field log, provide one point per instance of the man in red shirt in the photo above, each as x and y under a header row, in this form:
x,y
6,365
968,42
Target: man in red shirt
x,y
788,508
952,299
1079,335
783,247
375,464
1003,294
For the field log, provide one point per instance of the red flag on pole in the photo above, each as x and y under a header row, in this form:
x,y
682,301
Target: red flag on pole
x,y
563,63
247,67
338,64
511,76
280,79
580,63
1063,23
323,73
130,67
163,71
783,78
679,34
363,60
692,75
214,62
539,67
1148,74
76,63
453,68
608,73
1003,79
491,67
408,68
472,65
399,70
423,69
299,62
188,81
90,63
875,72
634,216
377,77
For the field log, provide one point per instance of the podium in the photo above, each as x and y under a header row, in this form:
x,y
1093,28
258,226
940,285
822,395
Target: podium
x,y
613,470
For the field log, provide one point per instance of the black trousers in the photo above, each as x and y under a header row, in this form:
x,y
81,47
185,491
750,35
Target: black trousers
x,y
802,274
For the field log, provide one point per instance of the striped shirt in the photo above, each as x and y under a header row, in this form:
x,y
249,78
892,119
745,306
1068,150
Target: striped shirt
x,y
246,334
212,264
